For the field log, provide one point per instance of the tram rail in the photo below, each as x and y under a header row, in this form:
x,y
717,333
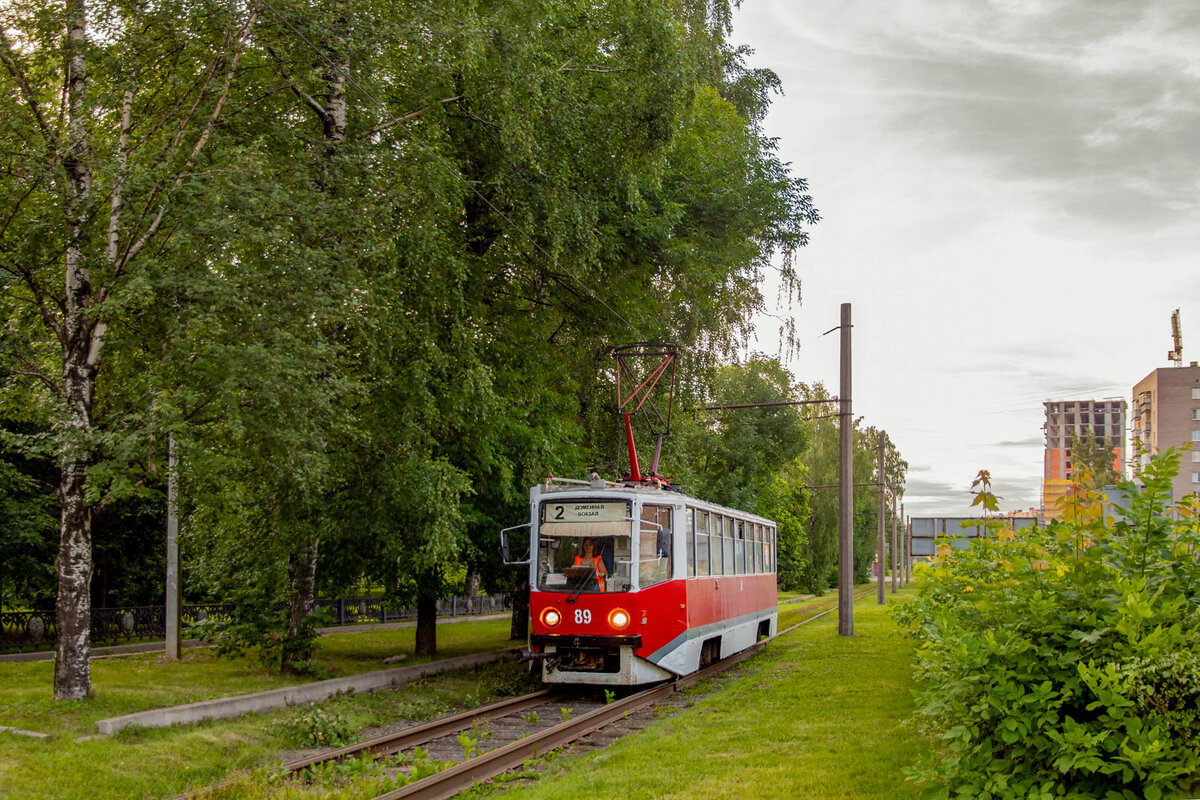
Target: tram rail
x,y
490,764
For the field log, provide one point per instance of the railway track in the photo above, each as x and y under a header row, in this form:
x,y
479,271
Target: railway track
x,y
524,715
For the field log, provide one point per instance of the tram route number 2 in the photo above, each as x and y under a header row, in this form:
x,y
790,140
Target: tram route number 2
x,y
582,616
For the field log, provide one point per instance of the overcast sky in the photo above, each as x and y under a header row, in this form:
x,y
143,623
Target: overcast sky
x,y
1010,194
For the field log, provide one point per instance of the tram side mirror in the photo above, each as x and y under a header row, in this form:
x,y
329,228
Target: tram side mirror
x,y
505,550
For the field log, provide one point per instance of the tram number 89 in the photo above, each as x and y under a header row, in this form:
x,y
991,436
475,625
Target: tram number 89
x,y
583,616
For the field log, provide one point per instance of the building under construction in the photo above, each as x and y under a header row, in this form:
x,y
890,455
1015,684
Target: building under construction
x,y
1069,421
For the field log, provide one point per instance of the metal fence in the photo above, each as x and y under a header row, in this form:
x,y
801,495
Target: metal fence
x,y
37,630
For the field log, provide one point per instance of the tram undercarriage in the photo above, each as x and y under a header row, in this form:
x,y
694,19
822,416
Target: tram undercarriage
x,y
595,659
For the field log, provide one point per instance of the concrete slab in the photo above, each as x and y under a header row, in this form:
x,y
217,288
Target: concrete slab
x,y
19,732
226,707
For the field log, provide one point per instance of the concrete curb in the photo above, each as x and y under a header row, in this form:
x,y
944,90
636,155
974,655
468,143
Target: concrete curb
x,y
226,707
150,647
19,732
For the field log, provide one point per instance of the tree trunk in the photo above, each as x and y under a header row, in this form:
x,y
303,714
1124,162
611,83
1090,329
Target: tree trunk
x,y
472,589
426,619
519,628
73,609
302,585
72,672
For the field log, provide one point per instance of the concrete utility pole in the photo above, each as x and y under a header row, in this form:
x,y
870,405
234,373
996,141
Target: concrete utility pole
x,y
174,638
880,488
909,526
895,563
846,489
904,551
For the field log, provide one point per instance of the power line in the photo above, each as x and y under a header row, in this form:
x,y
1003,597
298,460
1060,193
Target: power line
x,y
449,168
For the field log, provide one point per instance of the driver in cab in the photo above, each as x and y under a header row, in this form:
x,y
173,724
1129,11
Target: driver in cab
x,y
589,556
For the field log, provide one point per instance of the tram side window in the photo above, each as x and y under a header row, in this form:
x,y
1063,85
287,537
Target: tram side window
x,y
739,546
771,549
751,548
727,546
744,548
727,563
702,543
758,548
766,545
655,562
689,532
715,547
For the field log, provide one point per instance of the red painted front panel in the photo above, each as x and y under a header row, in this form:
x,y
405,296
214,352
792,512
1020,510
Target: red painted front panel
x,y
660,613
656,614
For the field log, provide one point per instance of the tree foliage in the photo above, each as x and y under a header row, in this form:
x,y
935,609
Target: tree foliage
x,y
1093,455
362,263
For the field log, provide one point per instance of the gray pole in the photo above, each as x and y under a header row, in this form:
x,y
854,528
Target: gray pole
x,y
895,562
174,639
904,551
909,526
880,546
845,489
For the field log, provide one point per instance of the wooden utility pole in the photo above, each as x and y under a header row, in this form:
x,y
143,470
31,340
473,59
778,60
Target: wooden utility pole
x,y
846,489
173,635
895,562
880,488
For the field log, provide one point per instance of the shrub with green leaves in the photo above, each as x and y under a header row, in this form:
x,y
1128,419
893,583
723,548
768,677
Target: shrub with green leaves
x,y
314,726
1065,662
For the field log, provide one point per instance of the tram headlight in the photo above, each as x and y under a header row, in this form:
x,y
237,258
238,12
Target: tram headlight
x,y
551,617
619,618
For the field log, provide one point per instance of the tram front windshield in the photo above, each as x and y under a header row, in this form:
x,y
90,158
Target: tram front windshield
x,y
584,547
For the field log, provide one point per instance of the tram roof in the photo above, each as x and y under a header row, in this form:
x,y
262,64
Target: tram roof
x,y
606,488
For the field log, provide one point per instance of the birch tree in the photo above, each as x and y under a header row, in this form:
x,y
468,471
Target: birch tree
x,y
109,110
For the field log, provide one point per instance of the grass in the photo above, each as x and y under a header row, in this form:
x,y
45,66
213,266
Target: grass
x,y
816,716
161,762
138,682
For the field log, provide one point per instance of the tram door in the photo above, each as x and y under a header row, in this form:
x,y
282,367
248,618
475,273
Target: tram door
x,y
656,562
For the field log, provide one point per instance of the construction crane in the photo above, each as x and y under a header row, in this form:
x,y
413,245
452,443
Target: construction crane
x,y
1176,355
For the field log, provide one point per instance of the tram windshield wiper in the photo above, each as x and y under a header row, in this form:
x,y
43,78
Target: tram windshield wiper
x,y
583,582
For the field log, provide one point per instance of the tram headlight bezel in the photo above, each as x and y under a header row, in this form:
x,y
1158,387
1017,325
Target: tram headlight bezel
x,y
619,619
551,617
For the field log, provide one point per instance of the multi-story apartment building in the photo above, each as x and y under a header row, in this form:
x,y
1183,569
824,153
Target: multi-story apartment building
x,y
1067,421
1166,413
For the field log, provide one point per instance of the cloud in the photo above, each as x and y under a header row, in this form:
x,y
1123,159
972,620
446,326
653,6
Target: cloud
x,y
1092,108
1031,441
919,489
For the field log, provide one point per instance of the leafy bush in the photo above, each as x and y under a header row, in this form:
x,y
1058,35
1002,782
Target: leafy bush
x,y
1065,663
314,726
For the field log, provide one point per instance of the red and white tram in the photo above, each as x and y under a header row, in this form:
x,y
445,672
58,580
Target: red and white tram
x,y
632,583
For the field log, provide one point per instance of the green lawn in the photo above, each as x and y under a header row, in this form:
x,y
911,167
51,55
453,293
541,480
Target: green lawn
x,y
816,716
126,684
156,763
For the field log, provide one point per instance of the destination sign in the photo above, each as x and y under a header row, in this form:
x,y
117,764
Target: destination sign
x,y
571,511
